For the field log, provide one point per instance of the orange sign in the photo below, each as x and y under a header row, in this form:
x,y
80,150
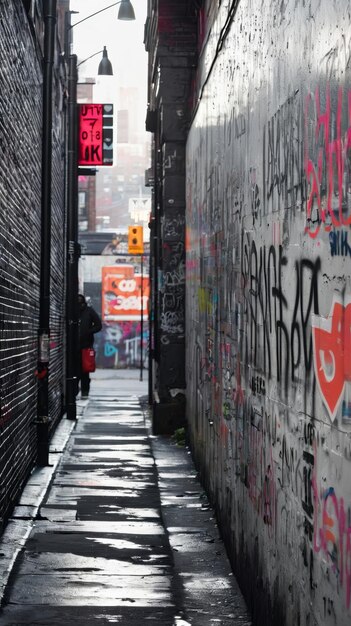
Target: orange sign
x,y
122,296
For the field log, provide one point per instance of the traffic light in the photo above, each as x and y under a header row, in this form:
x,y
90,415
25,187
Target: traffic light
x,y
135,240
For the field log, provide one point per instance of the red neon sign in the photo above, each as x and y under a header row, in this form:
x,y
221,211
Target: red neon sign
x,y
95,134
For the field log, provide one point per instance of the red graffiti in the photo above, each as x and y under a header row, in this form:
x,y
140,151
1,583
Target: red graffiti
x,y
327,162
261,480
331,351
332,535
224,432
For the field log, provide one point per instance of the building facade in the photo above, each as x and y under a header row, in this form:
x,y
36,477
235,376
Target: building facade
x,y
22,38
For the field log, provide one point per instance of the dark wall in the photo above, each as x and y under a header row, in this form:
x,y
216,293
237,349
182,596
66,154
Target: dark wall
x,y
20,189
58,249
171,42
20,201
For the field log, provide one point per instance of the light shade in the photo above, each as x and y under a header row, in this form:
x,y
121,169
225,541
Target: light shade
x,y
105,66
126,11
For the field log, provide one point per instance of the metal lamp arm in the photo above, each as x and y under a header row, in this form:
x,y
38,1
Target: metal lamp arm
x,y
91,56
96,13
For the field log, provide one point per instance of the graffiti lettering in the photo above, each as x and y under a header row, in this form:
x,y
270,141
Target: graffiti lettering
x,y
132,302
176,277
127,285
258,385
283,180
327,161
261,482
275,345
173,254
339,244
173,227
332,533
172,322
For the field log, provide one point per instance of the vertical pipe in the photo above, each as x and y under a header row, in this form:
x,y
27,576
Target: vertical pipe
x,y
141,317
72,244
150,314
45,261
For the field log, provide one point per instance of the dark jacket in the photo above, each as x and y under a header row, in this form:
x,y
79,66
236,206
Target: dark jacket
x,y
89,323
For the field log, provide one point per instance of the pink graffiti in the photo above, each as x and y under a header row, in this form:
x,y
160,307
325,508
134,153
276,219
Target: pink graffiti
x,y
331,352
331,162
128,328
332,536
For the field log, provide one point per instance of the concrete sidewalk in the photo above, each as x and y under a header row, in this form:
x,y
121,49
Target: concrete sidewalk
x,y
124,534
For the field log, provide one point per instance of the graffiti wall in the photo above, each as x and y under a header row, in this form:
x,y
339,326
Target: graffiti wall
x,y
119,294
269,300
118,345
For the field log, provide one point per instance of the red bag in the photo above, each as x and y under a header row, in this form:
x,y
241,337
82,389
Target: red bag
x,y
88,360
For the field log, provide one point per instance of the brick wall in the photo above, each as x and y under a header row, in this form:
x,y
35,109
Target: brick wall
x,y
20,201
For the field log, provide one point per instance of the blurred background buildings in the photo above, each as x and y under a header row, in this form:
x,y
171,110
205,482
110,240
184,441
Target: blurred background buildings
x,y
116,196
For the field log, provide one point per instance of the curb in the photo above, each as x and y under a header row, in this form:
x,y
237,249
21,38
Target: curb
x,y
25,513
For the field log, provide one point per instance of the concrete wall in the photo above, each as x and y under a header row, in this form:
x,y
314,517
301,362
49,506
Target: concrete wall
x,y
269,299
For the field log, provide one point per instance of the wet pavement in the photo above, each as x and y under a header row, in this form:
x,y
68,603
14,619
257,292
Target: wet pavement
x,y
124,533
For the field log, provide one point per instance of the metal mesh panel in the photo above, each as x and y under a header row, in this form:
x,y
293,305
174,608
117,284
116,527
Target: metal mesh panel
x,y
20,176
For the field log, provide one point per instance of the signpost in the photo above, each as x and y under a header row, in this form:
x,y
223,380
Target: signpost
x,y
136,246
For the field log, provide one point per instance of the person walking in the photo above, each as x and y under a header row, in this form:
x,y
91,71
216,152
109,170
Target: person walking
x,y
89,324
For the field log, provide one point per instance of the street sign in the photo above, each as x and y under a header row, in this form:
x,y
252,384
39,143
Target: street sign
x,y
95,137
139,208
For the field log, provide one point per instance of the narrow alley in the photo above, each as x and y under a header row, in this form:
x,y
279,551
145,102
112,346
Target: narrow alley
x,y
175,220
124,533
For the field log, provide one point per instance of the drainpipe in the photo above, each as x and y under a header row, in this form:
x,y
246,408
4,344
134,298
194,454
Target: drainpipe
x,y
72,244
45,261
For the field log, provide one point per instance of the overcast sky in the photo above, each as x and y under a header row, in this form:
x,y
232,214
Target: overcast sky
x,y
125,45
124,41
